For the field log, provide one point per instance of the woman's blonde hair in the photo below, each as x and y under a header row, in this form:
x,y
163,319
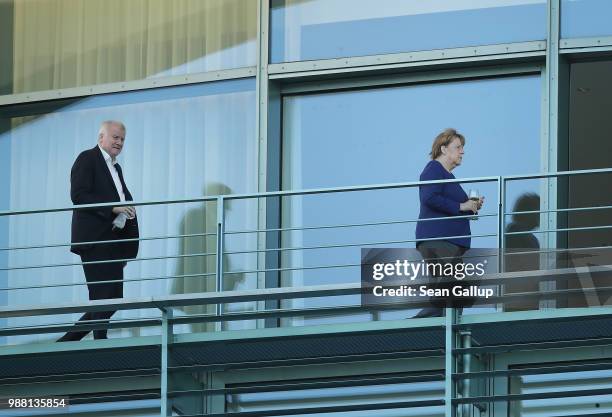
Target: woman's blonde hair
x,y
444,139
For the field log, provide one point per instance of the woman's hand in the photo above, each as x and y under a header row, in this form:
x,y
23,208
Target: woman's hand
x,y
480,202
129,211
470,205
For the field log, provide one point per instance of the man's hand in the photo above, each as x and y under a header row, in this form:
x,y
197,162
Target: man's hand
x,y
129,211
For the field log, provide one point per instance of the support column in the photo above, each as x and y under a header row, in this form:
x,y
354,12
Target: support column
x,y
466,367
219,257
166,340
450,363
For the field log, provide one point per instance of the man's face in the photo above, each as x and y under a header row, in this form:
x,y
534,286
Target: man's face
x,y
112,139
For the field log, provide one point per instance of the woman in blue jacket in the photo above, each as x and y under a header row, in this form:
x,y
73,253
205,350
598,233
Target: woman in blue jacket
x,y
444,240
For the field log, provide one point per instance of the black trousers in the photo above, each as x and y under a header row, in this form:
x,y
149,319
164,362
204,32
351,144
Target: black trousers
x,y
96,275
440,252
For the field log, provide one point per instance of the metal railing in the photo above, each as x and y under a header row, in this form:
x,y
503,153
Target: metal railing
x,y
221,234
459,352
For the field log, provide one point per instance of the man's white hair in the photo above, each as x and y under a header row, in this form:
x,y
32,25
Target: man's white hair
x,y
108,123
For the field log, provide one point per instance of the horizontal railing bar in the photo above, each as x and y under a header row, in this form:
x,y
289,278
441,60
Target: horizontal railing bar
x,y
110,281
94,242
555,250
296,386
424,353
83,325
566,229
185,299
254,315
322,227
257,295
81,376
417,183
535,370
309,191
346,245
559,210
283,313
328,409
87,399
251,195
131,280
537,345
207,318
534,396
373,187
557,174
152,258
107,205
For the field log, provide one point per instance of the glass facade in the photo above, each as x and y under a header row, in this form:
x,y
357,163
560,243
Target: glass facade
x,y
290,127
88,42
585,18
323,29
384,135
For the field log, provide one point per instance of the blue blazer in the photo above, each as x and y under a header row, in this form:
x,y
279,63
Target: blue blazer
x,y
442,200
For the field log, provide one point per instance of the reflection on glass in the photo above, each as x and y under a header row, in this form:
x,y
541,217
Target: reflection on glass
x,y
585,18
521,247
319,29
181,142
569,382
373,393
68,43
384,135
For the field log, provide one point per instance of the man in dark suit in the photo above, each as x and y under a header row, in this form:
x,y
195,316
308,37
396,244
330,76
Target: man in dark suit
x,y
96,177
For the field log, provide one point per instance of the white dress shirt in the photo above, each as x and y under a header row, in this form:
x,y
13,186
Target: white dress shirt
x,y
110,163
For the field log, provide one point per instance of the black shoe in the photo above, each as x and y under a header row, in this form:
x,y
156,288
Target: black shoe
x,y
429,312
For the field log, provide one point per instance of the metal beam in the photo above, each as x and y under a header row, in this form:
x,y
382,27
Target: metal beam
x,y
593,42
330,409
510,51
301,331
125,86
177,300
405,78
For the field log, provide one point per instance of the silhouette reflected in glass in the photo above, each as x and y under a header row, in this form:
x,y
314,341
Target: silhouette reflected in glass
x,y
196,274
522,250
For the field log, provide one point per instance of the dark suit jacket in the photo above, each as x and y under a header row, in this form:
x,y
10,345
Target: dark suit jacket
x,y
90,183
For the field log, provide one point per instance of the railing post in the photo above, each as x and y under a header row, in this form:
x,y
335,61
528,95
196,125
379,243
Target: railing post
x,y
166,340
466,368
449,369
501,222
219,256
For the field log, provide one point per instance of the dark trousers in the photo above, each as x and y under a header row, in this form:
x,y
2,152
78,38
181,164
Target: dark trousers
x,y
96,274
441,252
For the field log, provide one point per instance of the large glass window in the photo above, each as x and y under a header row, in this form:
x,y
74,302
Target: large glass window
x,y
384,135
585,18
375,392
181,142
320,29
570,382
86,42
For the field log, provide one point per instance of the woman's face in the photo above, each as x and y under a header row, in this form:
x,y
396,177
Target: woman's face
x,y
453,152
